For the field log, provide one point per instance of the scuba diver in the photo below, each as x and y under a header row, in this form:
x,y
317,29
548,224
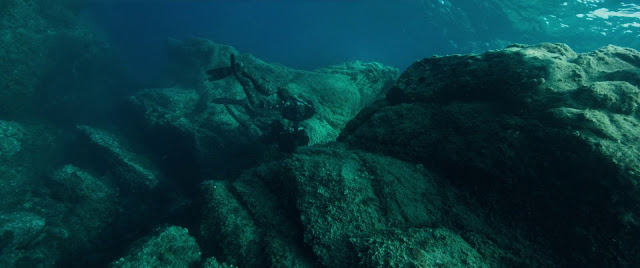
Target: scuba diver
x,y
283,117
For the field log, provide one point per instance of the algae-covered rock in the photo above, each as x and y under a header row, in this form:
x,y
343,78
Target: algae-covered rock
x,y
26,153
133,172
418,248
331,205
15,183
90,205
10,135
219,136
76,186
546,135
213,263
20,228
170,247
58,228
224,217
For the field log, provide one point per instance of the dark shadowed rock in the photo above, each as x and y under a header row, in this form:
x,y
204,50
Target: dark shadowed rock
x,y
47,57
547,136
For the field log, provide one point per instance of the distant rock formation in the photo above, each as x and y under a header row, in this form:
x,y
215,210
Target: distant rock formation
x,y
48,60
222,140
83,194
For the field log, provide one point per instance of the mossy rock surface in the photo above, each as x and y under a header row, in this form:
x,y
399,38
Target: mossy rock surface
x,y
335,207
546,135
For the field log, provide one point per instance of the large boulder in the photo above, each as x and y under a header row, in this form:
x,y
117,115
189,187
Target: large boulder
x,y
185,124
342,208
544,135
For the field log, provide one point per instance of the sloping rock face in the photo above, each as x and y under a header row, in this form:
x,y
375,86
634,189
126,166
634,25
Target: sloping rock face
x,y
133,173
334,207
185,124
545,136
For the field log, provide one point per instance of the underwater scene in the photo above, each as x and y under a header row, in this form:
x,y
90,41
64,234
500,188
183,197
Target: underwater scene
x,y
317,133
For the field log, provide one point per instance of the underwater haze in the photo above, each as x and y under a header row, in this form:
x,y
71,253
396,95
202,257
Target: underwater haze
x,y
293,133
313,34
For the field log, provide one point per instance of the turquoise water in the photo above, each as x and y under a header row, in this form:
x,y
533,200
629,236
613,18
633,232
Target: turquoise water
x,y
312,34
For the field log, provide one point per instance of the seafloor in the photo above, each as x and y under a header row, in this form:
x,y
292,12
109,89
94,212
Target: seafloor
x,y
528,156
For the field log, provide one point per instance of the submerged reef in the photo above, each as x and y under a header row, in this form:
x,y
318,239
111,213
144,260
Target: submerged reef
x,y
515,157
525,156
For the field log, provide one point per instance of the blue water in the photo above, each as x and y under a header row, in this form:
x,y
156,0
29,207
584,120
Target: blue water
x,y
299,34
311,34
